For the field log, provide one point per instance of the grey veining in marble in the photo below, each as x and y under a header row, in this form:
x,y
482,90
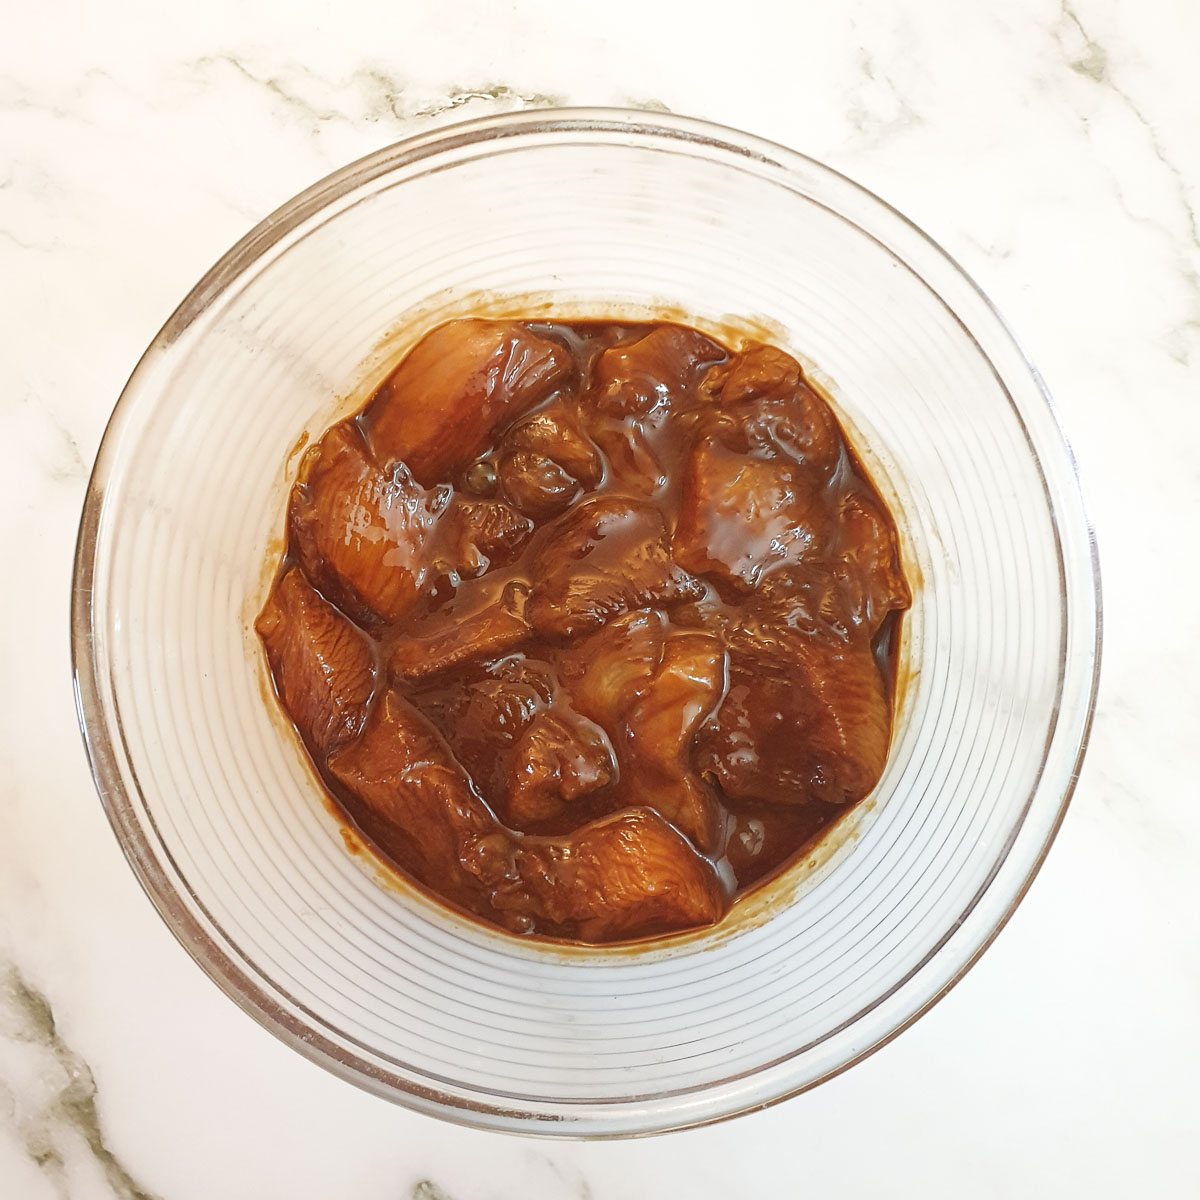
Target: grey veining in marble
x,y
48,1093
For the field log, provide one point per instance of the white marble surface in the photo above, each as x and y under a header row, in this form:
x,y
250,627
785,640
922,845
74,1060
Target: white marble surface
x,y
1052,149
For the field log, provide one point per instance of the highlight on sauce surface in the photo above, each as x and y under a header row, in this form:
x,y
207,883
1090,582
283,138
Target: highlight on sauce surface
x,y
588,627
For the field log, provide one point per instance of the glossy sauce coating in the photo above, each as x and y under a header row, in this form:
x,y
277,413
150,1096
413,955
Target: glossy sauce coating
x,y
588,627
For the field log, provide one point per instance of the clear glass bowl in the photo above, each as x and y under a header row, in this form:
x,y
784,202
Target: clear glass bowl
x,y
582,211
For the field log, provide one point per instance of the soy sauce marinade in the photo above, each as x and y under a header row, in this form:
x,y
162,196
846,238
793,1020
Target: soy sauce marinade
x,y
587,626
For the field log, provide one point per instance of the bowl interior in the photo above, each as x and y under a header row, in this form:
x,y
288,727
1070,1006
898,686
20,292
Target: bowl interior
x,y
583,214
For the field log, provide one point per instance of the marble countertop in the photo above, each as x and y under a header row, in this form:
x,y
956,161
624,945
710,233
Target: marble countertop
x,y
1051,149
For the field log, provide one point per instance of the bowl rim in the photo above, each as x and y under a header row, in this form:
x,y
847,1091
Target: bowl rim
x,y
103,755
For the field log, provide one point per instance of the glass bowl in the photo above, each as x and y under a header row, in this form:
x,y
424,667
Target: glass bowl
x,y
582,212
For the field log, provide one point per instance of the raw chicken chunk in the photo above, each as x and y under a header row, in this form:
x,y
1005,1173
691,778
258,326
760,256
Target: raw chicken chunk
x,y
483,710
608,672
741,515
687,686
867,546
637,377
805,716
756,373
412,799
623,876
605,557
323,666
546,461
766,405
478,534
361,532
535,484
458,385
560,757
632,462
486,632
555,433
377,540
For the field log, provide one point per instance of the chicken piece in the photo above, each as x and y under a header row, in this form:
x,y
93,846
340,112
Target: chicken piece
x,y
490,702
323,667
815,599
661,730
605,557
535,484
410,797
555,433
475,535
757,372
560,757
457,385
805,715
636,378
767,405
483,711
608,672
632,461
485,632
361,532
624,876
742,515
867,546
546,462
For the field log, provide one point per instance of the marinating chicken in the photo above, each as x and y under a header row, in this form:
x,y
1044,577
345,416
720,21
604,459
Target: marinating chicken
x,y
457,387
609,555
589,628
324,667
